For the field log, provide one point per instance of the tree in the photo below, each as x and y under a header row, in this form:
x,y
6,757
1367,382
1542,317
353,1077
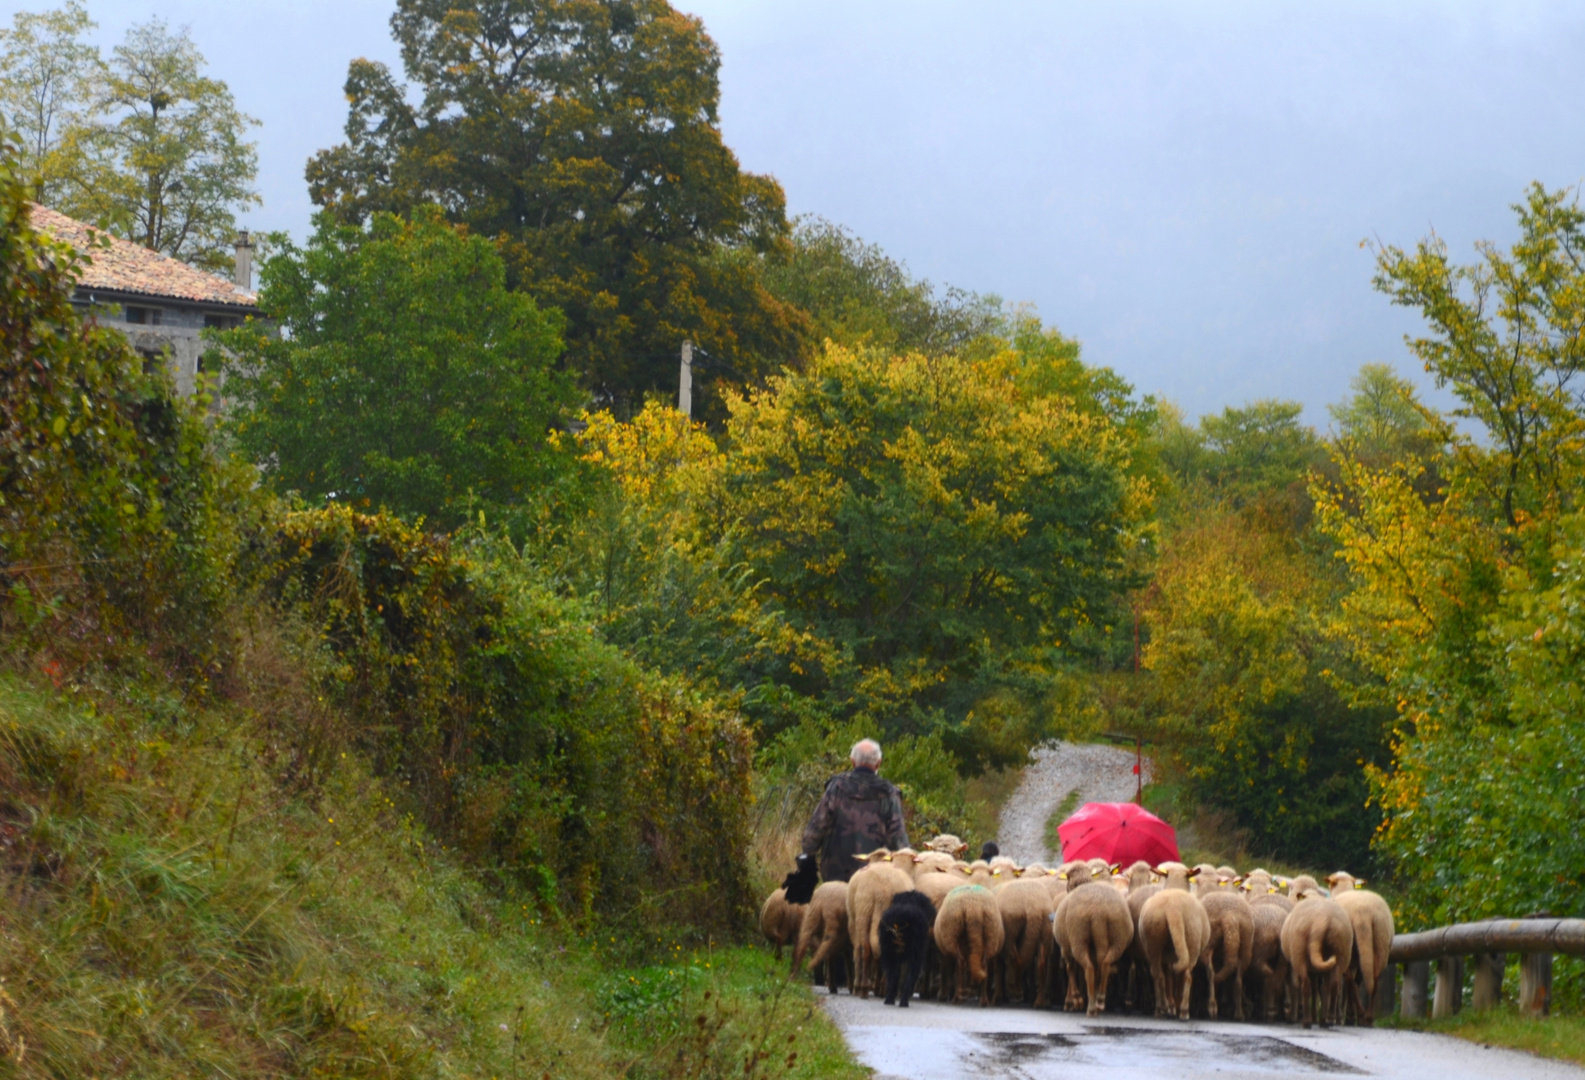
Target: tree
x,y
586,134
945,524
1508,335
164,162
857,295
1241,695
406,374
1464,606
1382,419
48,77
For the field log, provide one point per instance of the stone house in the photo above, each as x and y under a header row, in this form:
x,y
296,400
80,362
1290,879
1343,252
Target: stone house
x,y
163,303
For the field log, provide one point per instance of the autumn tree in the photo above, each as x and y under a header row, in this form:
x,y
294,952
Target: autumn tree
x,y
48,78
145,146
948,525
1382,418
167,164
1464,606
857,295
586,135
406,375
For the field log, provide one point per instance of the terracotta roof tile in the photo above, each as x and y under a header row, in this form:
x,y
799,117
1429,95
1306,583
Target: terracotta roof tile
x,y
131,268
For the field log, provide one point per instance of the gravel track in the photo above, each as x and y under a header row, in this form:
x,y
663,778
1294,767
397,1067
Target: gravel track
x,y
1097,773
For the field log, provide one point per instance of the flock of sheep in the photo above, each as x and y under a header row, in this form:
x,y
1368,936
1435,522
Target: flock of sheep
x,y
1181,940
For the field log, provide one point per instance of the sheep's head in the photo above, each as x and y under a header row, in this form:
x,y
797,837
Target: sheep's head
x,y
1078,874
1139,875
879,855
949,844
1303,881
1344,880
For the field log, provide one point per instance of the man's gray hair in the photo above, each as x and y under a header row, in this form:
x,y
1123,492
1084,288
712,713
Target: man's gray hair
x,y
866,752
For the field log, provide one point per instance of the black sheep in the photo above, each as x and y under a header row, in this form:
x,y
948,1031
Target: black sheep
x,y
989,850
905,938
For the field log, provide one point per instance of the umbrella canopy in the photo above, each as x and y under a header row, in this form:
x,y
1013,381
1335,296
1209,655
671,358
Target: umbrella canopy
x,y
1118,833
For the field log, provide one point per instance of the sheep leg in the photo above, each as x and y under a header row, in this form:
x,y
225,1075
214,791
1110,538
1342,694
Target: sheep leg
x,y
1102,984
1210,983
1042,962
916,959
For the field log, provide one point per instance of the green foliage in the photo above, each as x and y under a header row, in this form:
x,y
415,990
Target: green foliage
x,y
945,524
113,514
620,208
399,372
856,295
1463,607
540,749
1382,420
1242,699
1506,337
1258,453
182,907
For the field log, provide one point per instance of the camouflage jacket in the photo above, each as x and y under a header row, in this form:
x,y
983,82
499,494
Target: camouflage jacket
x,y
858,813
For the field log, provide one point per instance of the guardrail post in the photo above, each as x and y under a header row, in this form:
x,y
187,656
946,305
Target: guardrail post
x,y
1449,987
1535,984
1488,980
1416,988
1386,993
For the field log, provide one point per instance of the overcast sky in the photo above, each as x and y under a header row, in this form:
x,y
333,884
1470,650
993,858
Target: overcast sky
x,y
1183,187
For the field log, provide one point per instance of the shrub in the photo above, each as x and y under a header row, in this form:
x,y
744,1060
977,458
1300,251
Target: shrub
x,y
536,745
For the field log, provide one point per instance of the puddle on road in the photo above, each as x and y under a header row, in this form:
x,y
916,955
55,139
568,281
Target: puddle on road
x,y
1009,1054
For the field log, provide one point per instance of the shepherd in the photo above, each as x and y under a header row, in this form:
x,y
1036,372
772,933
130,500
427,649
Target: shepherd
x,y
858,813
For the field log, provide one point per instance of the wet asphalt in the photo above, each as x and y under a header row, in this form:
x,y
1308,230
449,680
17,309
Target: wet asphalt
x,y
928,1041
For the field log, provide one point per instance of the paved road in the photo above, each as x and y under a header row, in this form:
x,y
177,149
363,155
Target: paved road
x,y
1097,773
943,1042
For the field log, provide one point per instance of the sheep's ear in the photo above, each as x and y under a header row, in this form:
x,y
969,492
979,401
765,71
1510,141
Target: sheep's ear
x,y
1195,872
1238,881
1117,867
1062,875
1359,883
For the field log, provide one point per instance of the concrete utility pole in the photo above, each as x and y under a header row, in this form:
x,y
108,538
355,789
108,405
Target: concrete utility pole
x,y
685,381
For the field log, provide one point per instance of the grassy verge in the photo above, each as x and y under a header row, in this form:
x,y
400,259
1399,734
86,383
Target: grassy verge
x,y
179,905
1561,1037
721,1012
985,796
1069,803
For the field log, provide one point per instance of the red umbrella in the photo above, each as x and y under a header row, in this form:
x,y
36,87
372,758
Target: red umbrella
x,y
1118,833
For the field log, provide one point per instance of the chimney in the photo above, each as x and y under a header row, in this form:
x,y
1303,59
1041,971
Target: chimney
x,y
244,272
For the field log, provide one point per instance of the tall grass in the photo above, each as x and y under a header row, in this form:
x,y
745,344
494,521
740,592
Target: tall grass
x,y
180,903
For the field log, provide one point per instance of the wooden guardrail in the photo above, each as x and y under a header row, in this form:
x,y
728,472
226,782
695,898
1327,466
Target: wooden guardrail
x,y
1489,943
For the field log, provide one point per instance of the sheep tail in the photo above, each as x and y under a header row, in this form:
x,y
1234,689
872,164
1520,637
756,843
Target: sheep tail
x,y
975,932
1365,957
1230,944
1318,962
1181,960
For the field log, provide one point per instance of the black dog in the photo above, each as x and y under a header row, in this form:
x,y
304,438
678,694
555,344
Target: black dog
x,y
905,938
800,884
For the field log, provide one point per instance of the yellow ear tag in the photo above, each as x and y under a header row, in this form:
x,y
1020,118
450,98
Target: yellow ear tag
x,y
1359,884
